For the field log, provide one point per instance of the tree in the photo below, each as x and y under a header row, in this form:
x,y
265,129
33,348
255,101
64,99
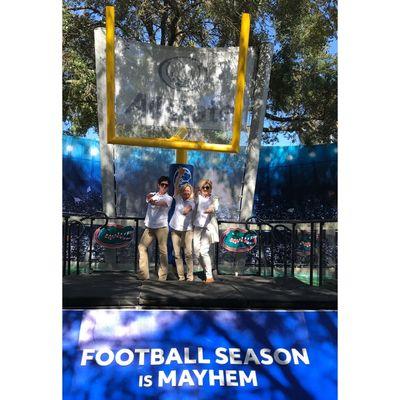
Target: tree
x,y
79,77
303,88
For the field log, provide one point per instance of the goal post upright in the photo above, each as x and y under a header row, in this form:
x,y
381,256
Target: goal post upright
x,y
178,144
110,72
241,81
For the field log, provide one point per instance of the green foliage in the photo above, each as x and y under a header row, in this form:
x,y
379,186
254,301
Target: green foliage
x,y
303,88
79,78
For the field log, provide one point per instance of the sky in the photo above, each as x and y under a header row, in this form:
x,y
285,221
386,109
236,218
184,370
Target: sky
x,y
332,49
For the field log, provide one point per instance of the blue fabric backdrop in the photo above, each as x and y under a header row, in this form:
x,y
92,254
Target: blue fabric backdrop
x,y
294,182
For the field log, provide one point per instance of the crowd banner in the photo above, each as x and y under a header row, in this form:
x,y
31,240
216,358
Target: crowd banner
x,y
169,354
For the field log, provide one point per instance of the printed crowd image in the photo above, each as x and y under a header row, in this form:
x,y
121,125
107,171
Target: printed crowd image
x,y
199,216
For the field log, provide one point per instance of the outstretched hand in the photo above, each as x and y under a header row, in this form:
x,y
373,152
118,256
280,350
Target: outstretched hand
x,y
186,210
149,196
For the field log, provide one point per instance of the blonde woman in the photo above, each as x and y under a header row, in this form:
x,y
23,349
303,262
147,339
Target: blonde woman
x,y
205,226
182,228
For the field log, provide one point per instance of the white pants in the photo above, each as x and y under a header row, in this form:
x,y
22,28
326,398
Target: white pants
x,y
201,247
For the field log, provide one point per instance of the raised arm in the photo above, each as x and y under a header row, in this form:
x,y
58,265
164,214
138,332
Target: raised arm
x,y
179,175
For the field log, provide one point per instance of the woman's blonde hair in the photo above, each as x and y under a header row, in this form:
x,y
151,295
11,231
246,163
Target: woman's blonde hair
x,y
183,187
202,182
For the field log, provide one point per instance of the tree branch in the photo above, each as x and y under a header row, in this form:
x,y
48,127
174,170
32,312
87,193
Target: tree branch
x,y
173,29
93,9
281,128
163,27
295,118
174,23
96,11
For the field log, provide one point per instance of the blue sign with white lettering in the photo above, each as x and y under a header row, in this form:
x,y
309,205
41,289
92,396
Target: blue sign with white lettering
x,y
169,354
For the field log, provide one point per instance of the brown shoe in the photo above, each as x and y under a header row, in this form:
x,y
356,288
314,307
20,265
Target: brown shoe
x,y
209,280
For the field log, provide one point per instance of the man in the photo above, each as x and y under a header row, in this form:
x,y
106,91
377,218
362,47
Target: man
x,y
156,222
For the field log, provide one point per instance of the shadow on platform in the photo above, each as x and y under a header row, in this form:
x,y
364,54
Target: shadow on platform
x,y
124,290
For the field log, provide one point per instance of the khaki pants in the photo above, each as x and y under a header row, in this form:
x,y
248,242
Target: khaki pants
x,y
161,234
201,247
183,239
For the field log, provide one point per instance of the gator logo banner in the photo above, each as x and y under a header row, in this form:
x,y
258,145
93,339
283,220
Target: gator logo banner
x,y
113,236
237,240
304,246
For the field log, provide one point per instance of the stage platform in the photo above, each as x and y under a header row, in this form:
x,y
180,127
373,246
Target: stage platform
x,y
123,290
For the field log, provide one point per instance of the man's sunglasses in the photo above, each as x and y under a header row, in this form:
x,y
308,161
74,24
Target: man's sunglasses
x,y
164,184
206,187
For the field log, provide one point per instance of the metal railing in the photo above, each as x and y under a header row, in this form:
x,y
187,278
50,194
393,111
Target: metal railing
x,y
278,251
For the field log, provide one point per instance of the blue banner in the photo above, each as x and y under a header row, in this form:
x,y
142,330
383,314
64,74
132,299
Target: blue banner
x,y
293,182
177,354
